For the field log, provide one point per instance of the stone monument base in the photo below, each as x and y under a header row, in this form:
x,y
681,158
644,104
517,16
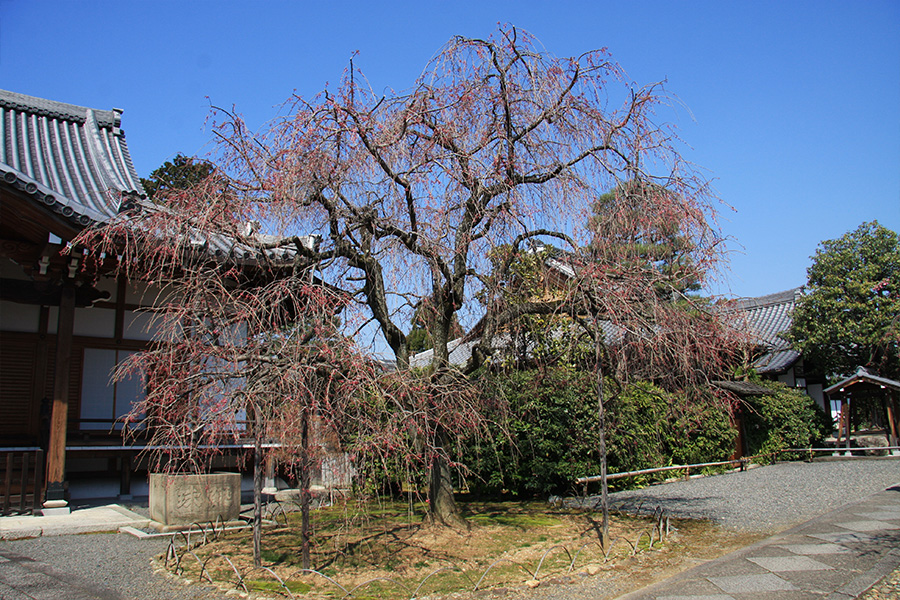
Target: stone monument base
x,y
179,499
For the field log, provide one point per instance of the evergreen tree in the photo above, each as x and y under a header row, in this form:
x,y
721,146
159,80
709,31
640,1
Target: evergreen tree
x,y
181,173
850,314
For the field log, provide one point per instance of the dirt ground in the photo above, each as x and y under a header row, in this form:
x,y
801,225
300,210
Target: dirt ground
x,y
500,554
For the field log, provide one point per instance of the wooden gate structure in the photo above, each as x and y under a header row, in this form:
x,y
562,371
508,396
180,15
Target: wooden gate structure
x,y
865,385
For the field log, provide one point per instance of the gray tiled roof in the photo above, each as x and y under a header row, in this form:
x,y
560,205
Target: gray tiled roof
x,y
862,375
767,318
74,160
71,158
461,348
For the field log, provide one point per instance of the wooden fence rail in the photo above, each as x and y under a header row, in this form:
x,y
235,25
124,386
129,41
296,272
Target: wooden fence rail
x,y
741,462
22,480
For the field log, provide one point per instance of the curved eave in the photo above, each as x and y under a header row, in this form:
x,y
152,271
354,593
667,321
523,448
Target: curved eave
x,y
70,159
79,215
863,377
776,362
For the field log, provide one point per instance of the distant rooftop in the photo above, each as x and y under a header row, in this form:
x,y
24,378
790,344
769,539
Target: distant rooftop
x,y
767,318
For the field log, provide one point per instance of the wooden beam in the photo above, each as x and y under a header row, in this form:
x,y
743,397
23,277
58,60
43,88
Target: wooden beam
x,y
56,453
43,294
848,406
740,442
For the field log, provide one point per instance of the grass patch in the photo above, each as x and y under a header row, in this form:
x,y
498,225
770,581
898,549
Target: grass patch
x,y
388,549
258,585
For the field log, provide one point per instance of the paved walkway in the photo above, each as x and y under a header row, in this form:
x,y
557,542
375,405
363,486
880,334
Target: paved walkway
x,y
837,556
87,520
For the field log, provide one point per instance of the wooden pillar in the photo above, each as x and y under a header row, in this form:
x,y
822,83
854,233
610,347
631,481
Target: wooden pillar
x,y
840,425
740,443
125,476
269,486
56,453
893,420
847,406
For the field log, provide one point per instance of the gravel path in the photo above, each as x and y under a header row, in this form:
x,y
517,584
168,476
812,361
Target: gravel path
x,y
765,499
107,566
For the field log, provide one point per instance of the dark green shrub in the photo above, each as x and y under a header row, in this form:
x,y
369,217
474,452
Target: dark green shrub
x,y
637,423
552,436
649,427
702,429
786,419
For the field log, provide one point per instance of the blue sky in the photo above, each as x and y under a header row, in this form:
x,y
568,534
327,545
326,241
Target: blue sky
x,y
791,108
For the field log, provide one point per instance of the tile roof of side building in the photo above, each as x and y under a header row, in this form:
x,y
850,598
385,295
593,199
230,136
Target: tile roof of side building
x,y
767,318
71,158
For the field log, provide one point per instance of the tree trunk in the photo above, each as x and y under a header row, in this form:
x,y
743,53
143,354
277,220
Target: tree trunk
x,y
601,423
305,496
441,504
257,495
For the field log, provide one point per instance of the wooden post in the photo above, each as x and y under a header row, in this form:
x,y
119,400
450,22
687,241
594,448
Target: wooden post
x,y
840,427
740,442
56,453
847,418
893,420
125,476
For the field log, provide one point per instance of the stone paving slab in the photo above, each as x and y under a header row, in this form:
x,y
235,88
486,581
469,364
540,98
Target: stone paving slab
x,y
704,597
778,564
88,520
763,582
880,515
815,549
816,582
736,567
844,538
867,526
837,556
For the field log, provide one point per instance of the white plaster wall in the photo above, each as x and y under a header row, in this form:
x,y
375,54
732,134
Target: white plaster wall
x,y
815,391
788,378
129,391
107,284
145,294
95,322
97,388
139,326
19,317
